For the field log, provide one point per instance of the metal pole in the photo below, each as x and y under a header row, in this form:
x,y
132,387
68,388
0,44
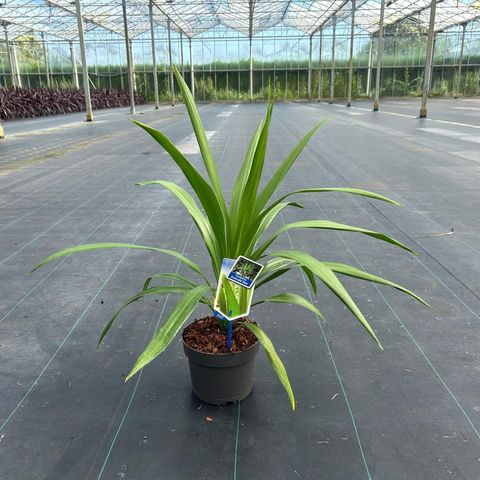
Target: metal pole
x,y
128,50
320,65
45,60
251,69
154,56
181,55
83,55
9,56
332,76
369,70
428,62
350,61
456,89
172,86
310,67
192,73
74,65
18,79
376,103
430,72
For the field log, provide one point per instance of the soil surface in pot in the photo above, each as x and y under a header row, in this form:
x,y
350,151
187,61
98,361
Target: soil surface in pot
x,y
205,335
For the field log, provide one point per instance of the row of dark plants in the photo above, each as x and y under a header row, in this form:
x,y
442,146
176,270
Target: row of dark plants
x,y
36,102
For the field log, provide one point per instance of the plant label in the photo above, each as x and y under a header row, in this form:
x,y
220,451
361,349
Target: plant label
x,y
233,299
245,272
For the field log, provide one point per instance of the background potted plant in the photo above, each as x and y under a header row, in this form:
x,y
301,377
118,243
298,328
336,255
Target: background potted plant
x,y
228,232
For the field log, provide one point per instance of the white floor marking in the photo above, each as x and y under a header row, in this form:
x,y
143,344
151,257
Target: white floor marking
x,y
348,112
189,145
477,110
442,131
468,155
452,134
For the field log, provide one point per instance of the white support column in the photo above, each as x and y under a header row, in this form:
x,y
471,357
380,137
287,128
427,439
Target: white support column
x,y
320,65
154,56
428,61
332,72
430,72
181,55
376,103
369,70
16,69
350,60
310,67
9,56
250,69
172,85
456,89
128,50
192,73
76,84
46,62
86,84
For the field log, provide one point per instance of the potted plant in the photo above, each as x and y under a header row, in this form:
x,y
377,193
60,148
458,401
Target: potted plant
x,y
223,374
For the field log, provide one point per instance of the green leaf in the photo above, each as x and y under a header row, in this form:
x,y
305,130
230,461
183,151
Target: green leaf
x,y
174,277
356,273
232,308
291,299
279,175
311,279
203,190
247,201
326,275
352,191
328,225
178,316
101,246
163,290
243,174
201,139
274,359
201,222
259,227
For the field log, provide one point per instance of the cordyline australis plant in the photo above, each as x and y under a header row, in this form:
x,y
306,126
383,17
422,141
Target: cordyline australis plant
x,y
239,229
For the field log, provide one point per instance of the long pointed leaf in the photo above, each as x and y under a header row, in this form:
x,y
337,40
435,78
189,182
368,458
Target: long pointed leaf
x,y
291,299
201,138
242,177
101,246
264,221
204,191
162,290
202,223
326,275
279,175
328,225
274,359
360,274
352,191
174,277
249,195
178,316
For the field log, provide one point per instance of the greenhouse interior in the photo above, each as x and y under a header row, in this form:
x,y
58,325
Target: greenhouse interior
x,y
239,239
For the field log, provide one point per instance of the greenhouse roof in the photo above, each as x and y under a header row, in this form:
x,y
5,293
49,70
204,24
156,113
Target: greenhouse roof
x,y
193,17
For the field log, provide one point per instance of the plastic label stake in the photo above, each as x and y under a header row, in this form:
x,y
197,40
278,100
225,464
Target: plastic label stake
x,y
229,338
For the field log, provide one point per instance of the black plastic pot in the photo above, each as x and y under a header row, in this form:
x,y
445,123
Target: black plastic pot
x,y
223,377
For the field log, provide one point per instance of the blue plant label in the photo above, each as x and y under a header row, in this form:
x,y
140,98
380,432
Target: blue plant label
x,y
245,272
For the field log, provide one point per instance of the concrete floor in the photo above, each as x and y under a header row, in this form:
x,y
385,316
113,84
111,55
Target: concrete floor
x,y
411,412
